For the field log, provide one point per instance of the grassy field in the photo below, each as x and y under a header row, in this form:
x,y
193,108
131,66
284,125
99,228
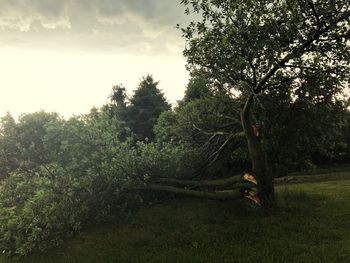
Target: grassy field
x,y
311,223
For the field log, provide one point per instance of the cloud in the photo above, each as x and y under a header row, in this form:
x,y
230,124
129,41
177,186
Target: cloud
x,y
124,25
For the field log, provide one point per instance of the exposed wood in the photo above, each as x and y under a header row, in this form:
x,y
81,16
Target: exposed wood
x,y
249,178
253,197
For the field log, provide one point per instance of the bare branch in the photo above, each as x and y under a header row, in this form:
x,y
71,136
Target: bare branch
x,y
215,195
217,183
212,133
214,156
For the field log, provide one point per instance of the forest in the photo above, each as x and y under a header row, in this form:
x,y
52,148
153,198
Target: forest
x,y
268,97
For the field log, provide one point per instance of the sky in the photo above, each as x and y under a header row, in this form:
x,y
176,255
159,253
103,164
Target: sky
x,y
65,55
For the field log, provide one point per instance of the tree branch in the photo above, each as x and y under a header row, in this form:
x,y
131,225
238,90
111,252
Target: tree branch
x,y
211,133
245,117
215,195
218,183
299,51
214,156
233,182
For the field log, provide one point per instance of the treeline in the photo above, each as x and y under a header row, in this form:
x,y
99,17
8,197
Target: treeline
x,y
57,175
301,129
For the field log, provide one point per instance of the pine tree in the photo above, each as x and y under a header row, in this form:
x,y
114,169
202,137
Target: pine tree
x,y
146,105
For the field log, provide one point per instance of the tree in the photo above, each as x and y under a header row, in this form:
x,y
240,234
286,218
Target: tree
x,y
197,88
8,145
204,120
304,130
138,114
22,143
257,46
118,108
146,105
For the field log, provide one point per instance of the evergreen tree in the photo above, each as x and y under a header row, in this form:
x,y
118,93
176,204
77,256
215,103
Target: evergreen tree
x,y
118,108
146,105
197,88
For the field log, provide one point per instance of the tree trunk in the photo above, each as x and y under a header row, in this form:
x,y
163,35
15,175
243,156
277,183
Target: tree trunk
x,y
234,193
209,183
258,157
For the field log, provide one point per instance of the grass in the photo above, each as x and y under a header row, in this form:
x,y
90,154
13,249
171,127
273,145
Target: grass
x,y
311,223
325,170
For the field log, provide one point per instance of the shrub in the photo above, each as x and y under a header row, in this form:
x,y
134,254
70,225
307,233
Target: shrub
x,y
83,179
37,211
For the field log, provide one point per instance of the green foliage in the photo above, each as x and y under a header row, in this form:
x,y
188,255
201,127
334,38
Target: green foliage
x,y
142,110
249,44
197,88
303,127
200,113
21,144
58,175
118,108
160,160
66,173
166,127
79,172
204,121
292,56
38,211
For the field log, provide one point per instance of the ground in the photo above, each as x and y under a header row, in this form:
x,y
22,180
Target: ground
x,y
311,223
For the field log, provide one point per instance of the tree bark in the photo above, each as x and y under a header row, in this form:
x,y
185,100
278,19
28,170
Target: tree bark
x,y
191,183
215,195
258,157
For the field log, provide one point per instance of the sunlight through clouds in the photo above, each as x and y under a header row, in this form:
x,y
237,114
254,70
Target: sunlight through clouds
x,y
66,55
75,82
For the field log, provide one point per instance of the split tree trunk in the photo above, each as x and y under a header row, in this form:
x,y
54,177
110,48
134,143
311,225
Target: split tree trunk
x,y
258,157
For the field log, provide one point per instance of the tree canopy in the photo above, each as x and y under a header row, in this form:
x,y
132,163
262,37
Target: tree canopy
x,y
257,44
260,47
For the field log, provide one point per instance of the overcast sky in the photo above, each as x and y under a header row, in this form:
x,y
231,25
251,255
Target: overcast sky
x,y
65,55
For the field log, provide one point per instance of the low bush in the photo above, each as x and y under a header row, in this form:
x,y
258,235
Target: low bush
x,y
79,172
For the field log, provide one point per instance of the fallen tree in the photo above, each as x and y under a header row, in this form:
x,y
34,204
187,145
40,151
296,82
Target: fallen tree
x,y
192,183
231,188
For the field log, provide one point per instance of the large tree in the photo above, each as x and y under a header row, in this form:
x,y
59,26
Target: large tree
x,y
141,111
257,46
204,119
146,105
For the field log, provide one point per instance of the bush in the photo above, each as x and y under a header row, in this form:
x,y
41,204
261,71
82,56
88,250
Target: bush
x,y
83,179
37,211
158,160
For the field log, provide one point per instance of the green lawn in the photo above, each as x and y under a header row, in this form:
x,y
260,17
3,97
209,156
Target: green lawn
x,y
310,224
